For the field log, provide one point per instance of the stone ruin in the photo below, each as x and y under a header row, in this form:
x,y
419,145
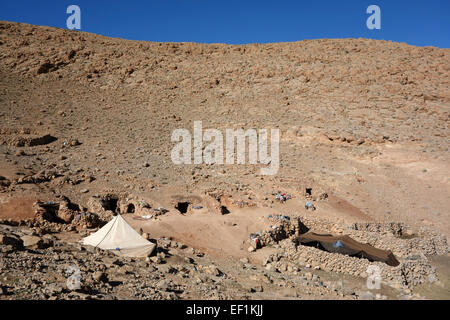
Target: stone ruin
x,y
64,216
414,268
281,229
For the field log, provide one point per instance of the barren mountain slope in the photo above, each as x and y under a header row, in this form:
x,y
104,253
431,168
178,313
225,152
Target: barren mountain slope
x,y
360,116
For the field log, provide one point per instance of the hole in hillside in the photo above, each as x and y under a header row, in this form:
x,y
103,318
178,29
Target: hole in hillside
x,y
182,207
224,210
50,211
74,207
308,191
130,208
110,203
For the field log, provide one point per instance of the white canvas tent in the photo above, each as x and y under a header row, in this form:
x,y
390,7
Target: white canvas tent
x,y
118,236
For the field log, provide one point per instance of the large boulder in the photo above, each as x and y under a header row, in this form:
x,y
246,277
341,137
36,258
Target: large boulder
x,y
35,242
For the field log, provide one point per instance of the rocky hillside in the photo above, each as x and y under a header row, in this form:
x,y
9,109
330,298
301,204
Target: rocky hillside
x,y
86,124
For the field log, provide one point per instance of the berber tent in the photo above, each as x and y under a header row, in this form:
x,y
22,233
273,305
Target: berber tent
x,y
119,237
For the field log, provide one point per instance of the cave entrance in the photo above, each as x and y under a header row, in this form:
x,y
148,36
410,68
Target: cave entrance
x,y
308,191
130,208
182,207
110,203
224,210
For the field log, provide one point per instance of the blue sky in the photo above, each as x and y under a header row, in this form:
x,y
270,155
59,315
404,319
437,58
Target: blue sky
x,y
422,23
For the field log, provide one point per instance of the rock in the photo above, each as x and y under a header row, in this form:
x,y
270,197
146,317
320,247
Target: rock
x,y
2,290
100,276
155,259
11,240
35,242
4,182
55,288
189,260
213,270
45,67
181,245
162,285
261,278
244,260
257,289
162,255
167,269
251,249
74,142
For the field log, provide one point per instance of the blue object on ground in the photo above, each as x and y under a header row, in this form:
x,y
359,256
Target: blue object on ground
x,y
338,244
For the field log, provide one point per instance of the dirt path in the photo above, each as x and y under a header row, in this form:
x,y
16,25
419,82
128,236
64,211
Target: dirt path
x,y
218,235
